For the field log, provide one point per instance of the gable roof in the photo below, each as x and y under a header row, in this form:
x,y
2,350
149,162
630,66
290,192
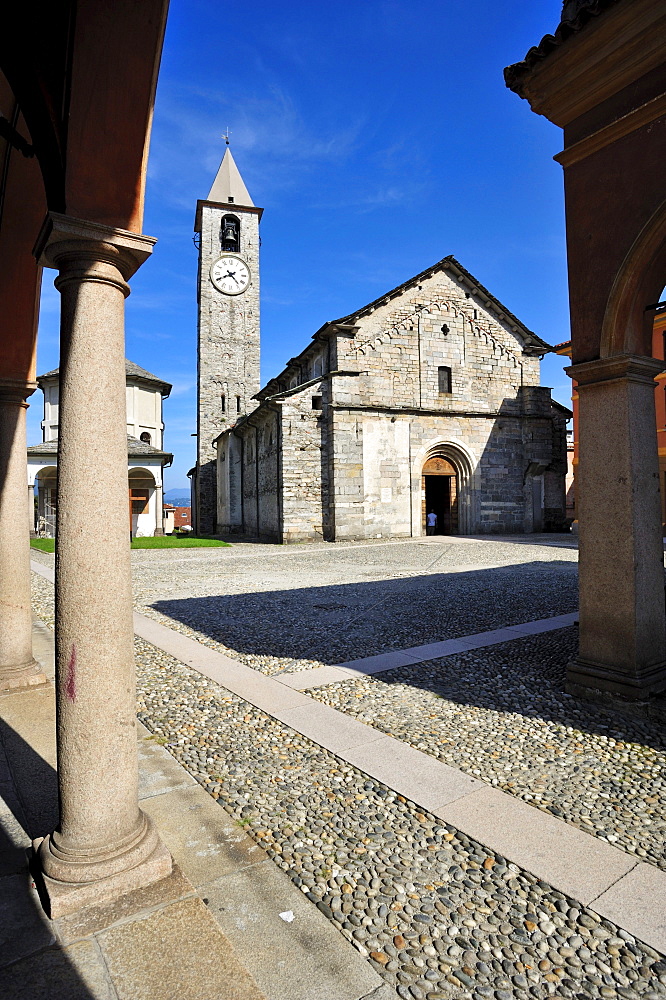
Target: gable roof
x,y
450,263
131,371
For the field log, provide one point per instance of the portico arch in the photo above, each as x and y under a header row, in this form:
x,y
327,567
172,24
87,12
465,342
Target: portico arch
x,y
45,512
627,323
141,502
449,465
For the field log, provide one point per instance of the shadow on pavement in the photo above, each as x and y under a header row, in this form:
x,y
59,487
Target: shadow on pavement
x,y
340,622
32,965
337,623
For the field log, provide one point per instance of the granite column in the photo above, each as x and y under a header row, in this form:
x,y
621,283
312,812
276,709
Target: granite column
x,y
105,845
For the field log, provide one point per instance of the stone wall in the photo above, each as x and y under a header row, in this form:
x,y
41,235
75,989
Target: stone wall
x,y
248,497
303,438
399,347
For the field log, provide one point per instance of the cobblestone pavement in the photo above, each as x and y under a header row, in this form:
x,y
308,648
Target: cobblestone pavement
x,y
279,609
602,773
434,912
501,714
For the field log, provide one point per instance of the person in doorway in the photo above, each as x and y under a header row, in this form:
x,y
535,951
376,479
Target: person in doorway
x,y
431,523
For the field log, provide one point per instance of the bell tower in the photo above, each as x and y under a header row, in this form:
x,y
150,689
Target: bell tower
x,y
228,326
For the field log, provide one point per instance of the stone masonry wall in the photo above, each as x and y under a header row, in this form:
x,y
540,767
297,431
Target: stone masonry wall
x,y
303,481
399,347
378,461
248,495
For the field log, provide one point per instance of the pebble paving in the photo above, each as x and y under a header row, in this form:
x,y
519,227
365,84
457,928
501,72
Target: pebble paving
x,y
501,714
435,913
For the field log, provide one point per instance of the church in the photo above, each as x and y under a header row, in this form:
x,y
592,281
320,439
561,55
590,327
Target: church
x,y
426,400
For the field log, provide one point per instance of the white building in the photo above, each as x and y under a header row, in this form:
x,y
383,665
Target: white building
x,y
145,455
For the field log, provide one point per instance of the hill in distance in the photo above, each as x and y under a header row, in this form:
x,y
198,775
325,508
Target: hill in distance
x,y
178,498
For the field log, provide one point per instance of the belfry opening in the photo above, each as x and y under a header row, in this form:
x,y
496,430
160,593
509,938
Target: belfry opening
x,y
439,495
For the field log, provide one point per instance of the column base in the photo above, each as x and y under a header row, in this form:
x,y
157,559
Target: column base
x,y
20,678
59,898
603,682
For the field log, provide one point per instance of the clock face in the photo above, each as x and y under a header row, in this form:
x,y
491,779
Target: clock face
x,y
230,274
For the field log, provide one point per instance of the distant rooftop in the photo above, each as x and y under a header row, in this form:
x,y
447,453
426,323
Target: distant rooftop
x,y
134,448
131,371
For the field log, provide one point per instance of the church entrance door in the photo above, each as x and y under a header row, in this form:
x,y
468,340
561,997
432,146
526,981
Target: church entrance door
x,y
440,494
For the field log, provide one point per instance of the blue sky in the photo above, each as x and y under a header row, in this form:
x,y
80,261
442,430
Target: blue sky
x,y
378,137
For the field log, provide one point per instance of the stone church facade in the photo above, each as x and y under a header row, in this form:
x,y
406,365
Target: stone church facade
x,y
427,399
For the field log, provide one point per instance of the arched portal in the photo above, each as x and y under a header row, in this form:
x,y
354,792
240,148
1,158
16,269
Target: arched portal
x,y
445,479
439,495
45,501
141,503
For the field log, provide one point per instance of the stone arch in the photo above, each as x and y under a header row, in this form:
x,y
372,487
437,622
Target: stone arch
x,y
461,460
141,487
627,328
45,495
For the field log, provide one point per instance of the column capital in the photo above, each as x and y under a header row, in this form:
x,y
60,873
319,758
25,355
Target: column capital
x,y
16,390
64,240
626,367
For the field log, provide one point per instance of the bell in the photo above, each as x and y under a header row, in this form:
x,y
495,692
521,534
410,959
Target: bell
x,y
229,233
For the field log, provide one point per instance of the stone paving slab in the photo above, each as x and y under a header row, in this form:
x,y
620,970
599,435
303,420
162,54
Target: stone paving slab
x,y
24,927
380,662
412,773
568,859
203,840
544,624
638,901
88,921
232,674
159,773
329,729
184,938
303,957
77,972
302,679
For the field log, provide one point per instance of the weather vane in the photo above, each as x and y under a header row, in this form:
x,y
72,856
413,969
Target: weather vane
x,y
225,135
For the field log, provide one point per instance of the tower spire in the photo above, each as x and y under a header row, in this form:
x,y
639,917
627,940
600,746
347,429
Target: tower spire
x,y
228,187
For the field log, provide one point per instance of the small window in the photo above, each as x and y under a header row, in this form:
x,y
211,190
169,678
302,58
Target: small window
x,y
145,437
223,403
444,380
316,403
238,404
